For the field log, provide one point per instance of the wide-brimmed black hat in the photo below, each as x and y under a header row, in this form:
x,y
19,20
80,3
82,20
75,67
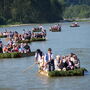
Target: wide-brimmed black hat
x,y
49,49
38,50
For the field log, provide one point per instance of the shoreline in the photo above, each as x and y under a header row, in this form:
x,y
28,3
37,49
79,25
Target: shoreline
x,y
29,24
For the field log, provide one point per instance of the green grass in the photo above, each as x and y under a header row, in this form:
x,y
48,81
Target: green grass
x,y
32,40
3,36
16,55
36,30
76,72
4,25
38,39
82,21
10,55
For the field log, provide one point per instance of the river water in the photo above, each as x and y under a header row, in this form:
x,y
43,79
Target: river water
x,y
76,40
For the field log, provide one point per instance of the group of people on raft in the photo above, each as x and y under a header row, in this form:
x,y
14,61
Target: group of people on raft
x,y
48,63
75,24
39,28
56,27
14,47
26,35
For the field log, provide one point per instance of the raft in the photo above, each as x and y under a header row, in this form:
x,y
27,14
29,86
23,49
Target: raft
x,y
55,30
32,40
16,55
75,72
3,36
74,26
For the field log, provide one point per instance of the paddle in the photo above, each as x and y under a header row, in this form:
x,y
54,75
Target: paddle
x,y
30,67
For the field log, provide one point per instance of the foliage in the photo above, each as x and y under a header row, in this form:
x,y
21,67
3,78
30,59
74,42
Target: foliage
x,y
29,11
75,72
10,55
3,36
38,39
76,2
16,55
77,11
24,41
41,11
32,40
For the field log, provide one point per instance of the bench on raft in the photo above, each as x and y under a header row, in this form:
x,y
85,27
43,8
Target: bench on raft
x,y
75,72
16,55
32,40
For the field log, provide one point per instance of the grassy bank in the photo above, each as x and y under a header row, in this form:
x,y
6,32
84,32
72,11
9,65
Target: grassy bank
x,y
82,20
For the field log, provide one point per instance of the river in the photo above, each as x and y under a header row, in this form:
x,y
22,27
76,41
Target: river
x,y
76,40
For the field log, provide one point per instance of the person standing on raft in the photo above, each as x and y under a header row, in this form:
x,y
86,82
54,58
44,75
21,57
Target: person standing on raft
x,y
39,58
49,61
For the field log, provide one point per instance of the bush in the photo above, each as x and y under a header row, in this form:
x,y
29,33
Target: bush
x,y
3,36
15,55
32,40
38,39
24,41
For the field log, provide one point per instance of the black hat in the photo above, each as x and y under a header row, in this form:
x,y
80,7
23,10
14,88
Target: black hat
x,y
49,49
38,50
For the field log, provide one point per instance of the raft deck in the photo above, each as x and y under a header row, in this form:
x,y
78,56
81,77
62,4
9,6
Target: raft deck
x,y
16,55
75,72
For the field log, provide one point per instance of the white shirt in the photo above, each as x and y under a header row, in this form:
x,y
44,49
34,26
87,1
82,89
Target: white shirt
x,y
50,56
38,57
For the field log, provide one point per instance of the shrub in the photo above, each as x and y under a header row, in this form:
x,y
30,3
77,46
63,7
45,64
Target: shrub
x,y
3,36
76,72
15,55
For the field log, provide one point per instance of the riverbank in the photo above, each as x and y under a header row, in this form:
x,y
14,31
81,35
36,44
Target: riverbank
x,y
15,25
77,20
61,21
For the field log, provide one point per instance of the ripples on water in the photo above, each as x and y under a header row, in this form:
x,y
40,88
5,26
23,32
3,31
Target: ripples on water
x,y
74,40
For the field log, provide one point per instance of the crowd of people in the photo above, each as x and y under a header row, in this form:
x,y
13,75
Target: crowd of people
x,y
14,47
26,35
47,62
13,37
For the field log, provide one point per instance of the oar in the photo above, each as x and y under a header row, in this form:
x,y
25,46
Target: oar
x,y
30,67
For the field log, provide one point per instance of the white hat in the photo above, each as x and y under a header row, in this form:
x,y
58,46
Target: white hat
x,y
58,56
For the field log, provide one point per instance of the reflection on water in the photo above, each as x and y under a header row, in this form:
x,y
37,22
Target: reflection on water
x,y
74,40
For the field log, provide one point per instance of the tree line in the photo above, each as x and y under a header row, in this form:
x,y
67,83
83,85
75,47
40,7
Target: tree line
x,y
30,11
76,9
41,11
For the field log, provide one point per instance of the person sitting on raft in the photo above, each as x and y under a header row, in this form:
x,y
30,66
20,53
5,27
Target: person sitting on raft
x,y
49,61
58,63
75,60
69,62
